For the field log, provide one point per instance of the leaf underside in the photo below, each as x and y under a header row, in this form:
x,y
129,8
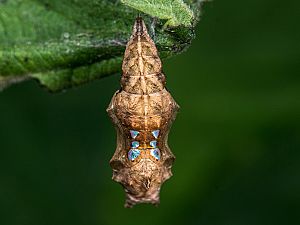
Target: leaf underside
x,y
65,43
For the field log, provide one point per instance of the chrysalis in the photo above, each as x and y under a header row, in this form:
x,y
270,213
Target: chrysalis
x,y
142,112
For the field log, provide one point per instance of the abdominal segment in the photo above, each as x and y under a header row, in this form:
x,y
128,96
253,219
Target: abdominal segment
x,y
142,112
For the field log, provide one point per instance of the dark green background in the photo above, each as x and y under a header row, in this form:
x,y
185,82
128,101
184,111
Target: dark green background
x,y
236,138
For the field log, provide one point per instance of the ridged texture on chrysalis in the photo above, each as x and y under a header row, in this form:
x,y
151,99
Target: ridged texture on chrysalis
x,y
142,112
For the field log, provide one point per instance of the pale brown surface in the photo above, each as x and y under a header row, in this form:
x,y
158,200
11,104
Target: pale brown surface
x,y
143,104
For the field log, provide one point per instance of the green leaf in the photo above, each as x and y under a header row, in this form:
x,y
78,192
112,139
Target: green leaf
x,y
64,43
175,11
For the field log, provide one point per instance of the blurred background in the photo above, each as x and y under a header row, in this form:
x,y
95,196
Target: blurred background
x,y
236,138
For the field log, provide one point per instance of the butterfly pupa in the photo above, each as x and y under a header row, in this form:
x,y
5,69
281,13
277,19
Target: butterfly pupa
x,y
142,112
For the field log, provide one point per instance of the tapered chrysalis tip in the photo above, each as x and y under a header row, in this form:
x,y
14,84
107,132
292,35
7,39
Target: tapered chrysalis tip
x,y
139,27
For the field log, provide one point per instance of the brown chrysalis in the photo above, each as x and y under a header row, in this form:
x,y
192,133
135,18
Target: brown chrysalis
x,y
142,112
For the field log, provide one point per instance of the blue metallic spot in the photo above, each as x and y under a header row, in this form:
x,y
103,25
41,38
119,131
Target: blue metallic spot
x,y
135,144
155,133
134,133
153,144
155,153
133,154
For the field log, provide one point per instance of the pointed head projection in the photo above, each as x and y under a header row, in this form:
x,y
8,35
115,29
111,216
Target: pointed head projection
x,y
142,175
143,183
